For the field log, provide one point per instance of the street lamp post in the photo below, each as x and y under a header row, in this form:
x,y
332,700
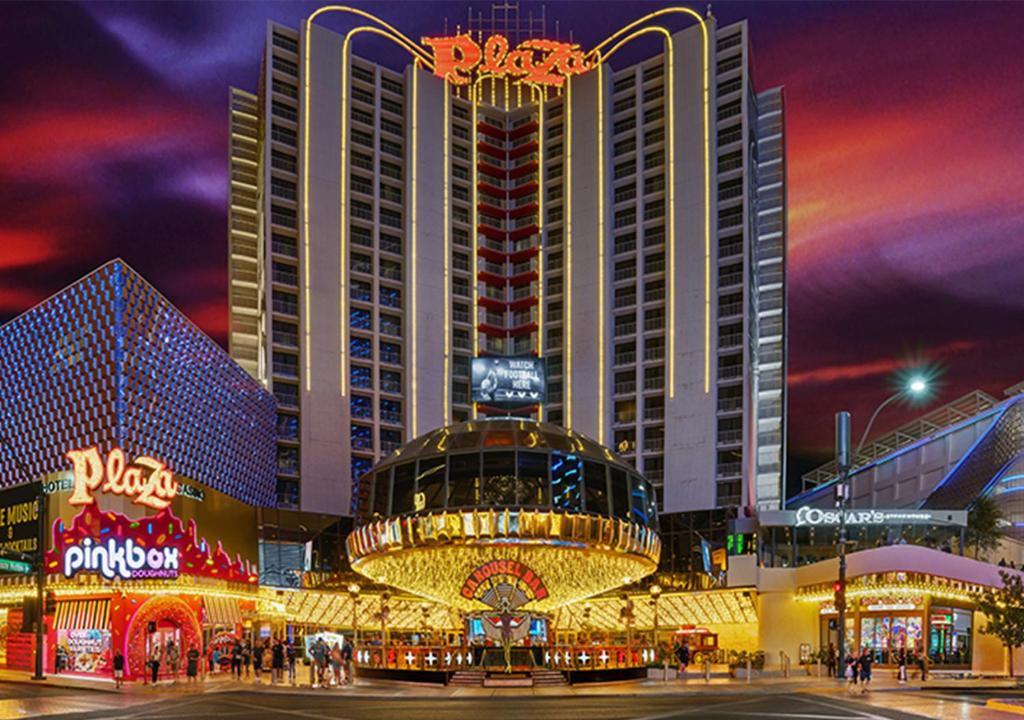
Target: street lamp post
x,y
655,592
844,462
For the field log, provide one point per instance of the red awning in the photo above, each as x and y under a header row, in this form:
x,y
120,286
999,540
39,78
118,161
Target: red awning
x,y
82,615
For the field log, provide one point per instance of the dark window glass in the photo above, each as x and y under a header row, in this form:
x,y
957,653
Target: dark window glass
x,y
430,482
639,500
381,487
597,487
620,494
401,494
566,479
463,480
499,479
533,479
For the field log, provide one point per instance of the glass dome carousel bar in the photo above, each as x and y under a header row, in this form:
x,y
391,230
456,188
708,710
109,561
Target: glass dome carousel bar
x,y
504,504
505,463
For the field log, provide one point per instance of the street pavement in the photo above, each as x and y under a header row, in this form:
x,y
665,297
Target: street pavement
x,y
803,699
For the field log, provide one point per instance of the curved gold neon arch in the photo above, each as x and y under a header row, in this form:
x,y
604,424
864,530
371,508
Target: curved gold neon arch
x,y
420,58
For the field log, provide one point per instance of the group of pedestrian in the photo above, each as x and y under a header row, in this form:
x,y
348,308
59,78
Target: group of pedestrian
x,y
271,656
331,666
858,672
167,656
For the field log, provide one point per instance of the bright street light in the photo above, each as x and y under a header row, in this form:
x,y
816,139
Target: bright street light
x,y
918,385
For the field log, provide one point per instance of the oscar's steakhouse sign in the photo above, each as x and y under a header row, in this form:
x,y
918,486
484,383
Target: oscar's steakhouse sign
x,y
535,61
146,480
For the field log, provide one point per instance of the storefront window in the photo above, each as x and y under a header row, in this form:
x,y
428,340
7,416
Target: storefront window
x,y
949,636
84,651
566,478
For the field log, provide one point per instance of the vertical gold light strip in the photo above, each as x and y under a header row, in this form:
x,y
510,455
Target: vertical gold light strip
x,y
412,245
567,324
600,255
474,318
707,214
446,402
540,232
670,119
343,223
306,70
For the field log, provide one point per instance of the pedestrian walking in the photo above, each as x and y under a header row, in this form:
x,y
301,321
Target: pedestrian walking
x,y
154,661
901,665
277,662
247,658
173,659
831,660
236,660
290,656
346,659
257,665
118,669
192,663
335,665
682,653
851,674
865,670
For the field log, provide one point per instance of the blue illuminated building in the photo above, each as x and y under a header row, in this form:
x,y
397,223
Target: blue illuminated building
x,y
109,361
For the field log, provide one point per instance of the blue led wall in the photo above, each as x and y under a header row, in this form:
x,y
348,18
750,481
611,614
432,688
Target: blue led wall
x,y
109,361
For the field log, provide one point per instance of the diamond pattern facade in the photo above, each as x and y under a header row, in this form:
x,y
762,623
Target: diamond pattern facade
x,y
109,361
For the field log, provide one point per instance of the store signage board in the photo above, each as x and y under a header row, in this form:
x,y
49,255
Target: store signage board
x,y
830,517
123,559
508,381
19,520
460,59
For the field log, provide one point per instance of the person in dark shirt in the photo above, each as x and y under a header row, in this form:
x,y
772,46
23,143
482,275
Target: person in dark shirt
x,y
192,664
290,655
118,669
276,662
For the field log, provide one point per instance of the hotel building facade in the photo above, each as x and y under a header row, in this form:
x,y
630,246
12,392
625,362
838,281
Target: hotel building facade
x,y
628,225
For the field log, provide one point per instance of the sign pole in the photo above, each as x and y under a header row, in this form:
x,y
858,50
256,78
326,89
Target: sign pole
x,y
40,584
843,462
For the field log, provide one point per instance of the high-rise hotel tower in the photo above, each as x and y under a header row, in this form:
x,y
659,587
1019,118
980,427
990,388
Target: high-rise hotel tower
x,y
515,195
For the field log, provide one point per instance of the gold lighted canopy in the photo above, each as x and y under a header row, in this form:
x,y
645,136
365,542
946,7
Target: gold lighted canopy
x,y
575,555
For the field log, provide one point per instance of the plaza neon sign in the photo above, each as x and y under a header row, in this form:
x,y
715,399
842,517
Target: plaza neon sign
x,y
118,558
536,61
146,480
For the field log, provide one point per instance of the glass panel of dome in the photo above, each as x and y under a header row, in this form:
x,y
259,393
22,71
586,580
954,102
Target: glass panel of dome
x,y
381,488
533,479
596,483
463,480
639,500
558,441
500,437
403,488
430,482
566,477
620,494
465,440
499,479
652,504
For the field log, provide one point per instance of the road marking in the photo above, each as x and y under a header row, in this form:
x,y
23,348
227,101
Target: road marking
x,y
264,709
833,706
698,709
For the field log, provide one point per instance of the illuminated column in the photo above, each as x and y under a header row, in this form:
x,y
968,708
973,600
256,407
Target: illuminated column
x,y
690,403
588,154
325,449
425,282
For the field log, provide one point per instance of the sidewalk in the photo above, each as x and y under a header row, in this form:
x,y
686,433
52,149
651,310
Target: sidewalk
x,y
222,682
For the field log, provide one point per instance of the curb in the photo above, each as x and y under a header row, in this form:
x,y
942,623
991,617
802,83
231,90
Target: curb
x,y
1004,706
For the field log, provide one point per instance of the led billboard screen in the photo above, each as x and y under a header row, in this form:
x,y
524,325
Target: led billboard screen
x,y
508,381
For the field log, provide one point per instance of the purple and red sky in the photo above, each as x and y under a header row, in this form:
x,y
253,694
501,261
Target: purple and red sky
x,y
905,149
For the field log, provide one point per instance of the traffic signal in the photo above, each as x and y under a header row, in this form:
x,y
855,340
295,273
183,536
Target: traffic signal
x,y
839,596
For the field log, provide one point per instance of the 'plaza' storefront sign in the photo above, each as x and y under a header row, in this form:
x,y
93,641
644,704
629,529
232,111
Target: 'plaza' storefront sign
x,y
459,59
828,517
147,481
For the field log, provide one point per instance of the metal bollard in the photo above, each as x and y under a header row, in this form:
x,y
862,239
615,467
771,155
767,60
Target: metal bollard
x,y
664,664
707,670
748,671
